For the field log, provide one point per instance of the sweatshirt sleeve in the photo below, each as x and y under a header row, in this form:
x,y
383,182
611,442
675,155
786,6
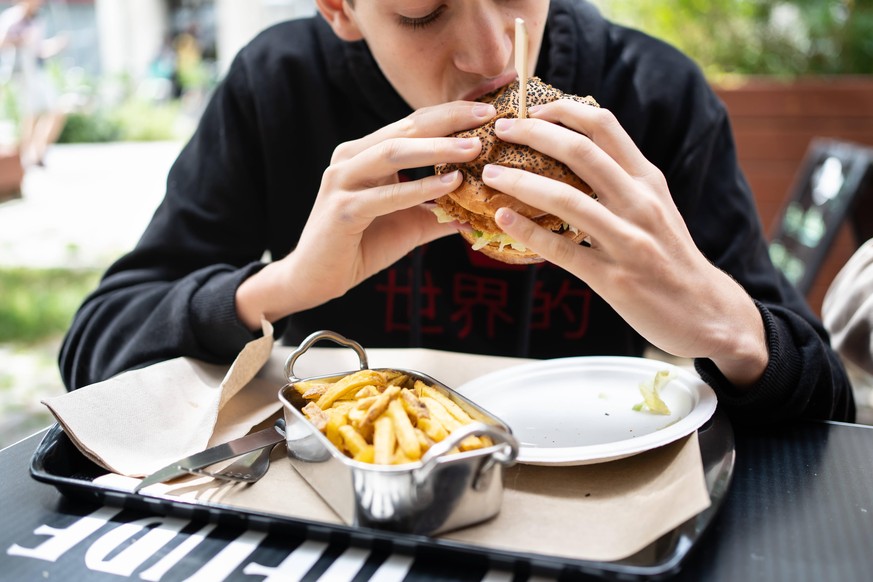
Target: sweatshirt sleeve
x,y
804,378
173,294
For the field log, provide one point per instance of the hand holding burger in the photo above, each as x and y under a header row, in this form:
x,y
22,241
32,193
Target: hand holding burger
x,y
475,203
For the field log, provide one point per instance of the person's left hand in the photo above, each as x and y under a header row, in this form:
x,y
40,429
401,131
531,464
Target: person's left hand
x,y
642,259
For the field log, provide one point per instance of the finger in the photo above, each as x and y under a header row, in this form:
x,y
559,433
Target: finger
x,y
601,127
436,121
574,207
382,200
408,229
388,157
584,158
398,154
554,248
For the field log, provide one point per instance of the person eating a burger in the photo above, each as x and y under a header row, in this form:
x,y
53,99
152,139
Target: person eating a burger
x,y
306,197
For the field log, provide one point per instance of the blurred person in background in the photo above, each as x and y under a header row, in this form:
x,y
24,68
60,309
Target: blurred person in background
x,y
847,310
24,49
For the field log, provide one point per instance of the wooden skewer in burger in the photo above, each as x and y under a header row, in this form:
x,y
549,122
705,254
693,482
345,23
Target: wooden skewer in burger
x,y
475,203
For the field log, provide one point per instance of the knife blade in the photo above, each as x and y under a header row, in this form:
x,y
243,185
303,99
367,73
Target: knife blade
x,y
251,442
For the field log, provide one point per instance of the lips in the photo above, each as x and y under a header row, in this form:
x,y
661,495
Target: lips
x,y
489,86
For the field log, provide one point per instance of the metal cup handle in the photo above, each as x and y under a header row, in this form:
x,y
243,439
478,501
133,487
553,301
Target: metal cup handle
x,y
318,336
505,456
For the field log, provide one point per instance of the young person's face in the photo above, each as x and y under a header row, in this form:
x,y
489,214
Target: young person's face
x,y
434,51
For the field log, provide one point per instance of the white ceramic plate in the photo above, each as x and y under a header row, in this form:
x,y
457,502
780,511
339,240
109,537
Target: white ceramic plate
x,y
578,411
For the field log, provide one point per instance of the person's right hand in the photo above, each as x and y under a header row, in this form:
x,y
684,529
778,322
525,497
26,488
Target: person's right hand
x,y
365,218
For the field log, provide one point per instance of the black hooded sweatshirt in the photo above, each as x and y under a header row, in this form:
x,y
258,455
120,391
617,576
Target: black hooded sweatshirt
x,y
242,189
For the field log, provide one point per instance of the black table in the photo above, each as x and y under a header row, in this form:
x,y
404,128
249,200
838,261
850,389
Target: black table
x,y
800,507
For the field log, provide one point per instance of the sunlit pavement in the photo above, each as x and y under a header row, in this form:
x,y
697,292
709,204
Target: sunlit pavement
x,y
87,205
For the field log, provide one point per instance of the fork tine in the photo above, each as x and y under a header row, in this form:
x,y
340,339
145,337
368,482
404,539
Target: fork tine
x,y
247,468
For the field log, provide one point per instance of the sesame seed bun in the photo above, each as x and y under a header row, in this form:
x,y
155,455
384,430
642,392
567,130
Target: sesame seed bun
x,y
475,203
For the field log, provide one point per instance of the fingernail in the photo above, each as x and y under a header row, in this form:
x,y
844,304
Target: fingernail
x,y
469,143
449,178
534,108
504,217
504,124
484,111
491,171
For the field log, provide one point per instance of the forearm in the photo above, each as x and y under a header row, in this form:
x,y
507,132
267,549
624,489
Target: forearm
x,y
130,323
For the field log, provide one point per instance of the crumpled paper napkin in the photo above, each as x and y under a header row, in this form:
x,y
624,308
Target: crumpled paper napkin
x,y
142,420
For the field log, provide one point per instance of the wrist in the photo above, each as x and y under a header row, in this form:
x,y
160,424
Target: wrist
x,y
276,291
744,354
261,297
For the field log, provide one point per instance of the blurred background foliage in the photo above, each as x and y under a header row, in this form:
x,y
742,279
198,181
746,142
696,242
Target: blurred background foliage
x,y
39,303
132,120
759,37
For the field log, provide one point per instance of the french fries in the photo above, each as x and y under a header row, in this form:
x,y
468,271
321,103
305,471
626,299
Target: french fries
x,y
348,385
384,417
384,441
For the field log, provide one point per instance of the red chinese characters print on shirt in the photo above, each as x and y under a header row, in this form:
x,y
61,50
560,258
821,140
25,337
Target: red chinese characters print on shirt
x,y
471,291
475,302
569,304
398,302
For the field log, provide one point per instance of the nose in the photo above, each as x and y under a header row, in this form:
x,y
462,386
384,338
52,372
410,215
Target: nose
x,y
484,42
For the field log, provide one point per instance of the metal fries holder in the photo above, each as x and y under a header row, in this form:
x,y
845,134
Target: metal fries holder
x,y
438,493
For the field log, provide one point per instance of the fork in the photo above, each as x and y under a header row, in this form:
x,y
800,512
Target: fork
x,y
247,468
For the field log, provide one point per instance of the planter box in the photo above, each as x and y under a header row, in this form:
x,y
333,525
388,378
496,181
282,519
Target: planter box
x,y
11,174
774,123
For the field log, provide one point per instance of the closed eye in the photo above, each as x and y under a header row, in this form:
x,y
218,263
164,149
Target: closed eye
x,y
423,21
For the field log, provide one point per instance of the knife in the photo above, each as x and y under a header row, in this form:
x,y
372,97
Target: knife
x,y
250,442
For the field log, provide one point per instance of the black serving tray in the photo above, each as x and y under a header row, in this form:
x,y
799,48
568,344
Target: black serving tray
x,y
58,462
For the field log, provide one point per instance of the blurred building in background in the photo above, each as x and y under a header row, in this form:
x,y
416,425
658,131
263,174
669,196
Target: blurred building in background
x,y
123,59
126,37
132,33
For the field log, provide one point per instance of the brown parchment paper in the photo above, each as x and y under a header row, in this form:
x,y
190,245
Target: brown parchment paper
x,y
142,420
601,512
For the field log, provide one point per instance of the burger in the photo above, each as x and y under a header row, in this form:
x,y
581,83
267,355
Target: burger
x,y
475,203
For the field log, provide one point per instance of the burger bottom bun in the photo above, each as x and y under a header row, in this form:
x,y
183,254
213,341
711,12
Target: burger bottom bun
x,y
508,254
511,255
